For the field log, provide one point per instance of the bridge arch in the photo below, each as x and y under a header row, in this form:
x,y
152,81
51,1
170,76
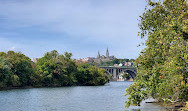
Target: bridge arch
x,y
131,72
116,71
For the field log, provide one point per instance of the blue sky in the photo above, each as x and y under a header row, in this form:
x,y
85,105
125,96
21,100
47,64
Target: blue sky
x,y
82,27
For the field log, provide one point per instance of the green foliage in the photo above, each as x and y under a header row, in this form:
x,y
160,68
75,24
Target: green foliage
x,y
17,70
15,80
163,64
56,69
5,72
116,61
126,76
21,66
186,106
61,70
91,75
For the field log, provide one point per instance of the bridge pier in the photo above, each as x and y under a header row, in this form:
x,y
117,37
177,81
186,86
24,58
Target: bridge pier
x,y
114,77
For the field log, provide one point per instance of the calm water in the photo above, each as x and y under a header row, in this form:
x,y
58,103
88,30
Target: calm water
x,y
78,98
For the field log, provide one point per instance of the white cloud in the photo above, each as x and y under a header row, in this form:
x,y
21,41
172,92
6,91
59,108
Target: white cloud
x,y
6,45
12,48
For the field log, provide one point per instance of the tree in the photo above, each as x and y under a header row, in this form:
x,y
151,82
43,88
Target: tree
x,y
15,69
56,69
91,75
5,72
115,61
21,67
126,76
132,60
163,64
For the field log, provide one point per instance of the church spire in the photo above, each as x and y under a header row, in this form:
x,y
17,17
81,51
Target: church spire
x,y
98,56
107,53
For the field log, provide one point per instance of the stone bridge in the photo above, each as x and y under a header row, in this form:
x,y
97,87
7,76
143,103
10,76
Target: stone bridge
x,y
116,71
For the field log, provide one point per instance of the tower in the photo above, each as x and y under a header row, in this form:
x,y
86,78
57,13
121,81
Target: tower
x,y
107,53
98,56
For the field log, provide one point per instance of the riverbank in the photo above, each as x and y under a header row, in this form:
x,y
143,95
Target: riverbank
x,y
179,106
175,106
9,88
53,86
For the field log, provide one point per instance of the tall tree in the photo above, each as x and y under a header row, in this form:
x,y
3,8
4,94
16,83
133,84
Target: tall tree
x,y
15,69
21,67
163,64
56,69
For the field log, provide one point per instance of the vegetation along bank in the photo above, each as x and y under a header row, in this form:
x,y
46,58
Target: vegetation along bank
x,y
17,70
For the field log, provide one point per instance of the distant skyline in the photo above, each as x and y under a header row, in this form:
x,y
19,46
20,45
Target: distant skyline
x,y
82,27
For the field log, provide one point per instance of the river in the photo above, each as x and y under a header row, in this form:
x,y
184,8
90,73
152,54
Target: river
x,y
109,97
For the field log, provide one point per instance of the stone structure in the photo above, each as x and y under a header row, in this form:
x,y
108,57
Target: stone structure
x,y
103,58
116,71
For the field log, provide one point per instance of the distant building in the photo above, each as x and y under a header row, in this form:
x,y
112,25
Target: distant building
x,y
103,58
35,60
130,64
116,65
88,59
120,64
98,59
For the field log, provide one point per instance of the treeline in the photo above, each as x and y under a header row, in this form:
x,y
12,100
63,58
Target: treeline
x,y
17,70
163,64
115,61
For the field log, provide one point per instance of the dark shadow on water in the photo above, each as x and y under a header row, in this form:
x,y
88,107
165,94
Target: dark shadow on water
x,y
135,110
